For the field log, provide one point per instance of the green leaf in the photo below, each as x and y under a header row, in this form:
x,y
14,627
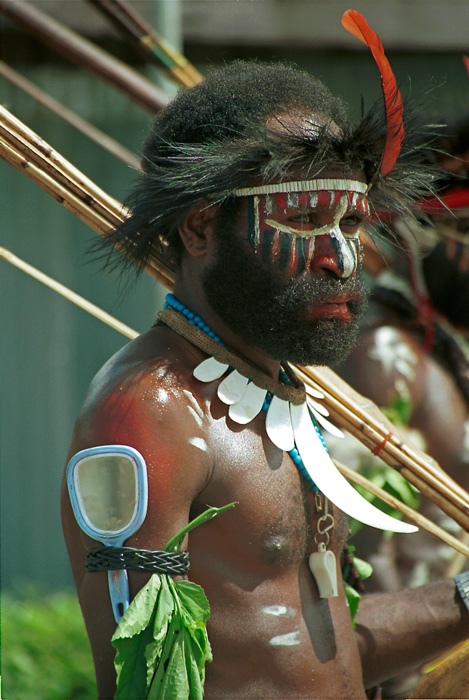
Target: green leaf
x,y
171,641
353,599
175,682
175,542
364,569
140,610
193,599
165,606
195,676
131,666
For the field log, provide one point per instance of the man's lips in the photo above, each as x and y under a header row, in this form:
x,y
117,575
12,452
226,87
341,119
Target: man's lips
x,y
336,307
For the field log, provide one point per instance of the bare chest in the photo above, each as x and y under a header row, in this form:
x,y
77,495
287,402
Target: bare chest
x,y
275,522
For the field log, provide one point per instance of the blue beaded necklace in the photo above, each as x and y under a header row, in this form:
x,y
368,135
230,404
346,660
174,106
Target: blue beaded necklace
x,y
172,303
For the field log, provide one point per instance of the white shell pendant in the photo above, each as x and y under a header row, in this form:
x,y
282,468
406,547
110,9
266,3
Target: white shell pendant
x,y
331,482
317,406
315,393
249,406
232,388
324,569
278,424
326,424
209,370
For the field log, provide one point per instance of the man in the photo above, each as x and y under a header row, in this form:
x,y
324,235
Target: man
x,y
414,342
255,189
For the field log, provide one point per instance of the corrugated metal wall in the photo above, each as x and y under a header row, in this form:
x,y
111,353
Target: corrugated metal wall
x,y
49,349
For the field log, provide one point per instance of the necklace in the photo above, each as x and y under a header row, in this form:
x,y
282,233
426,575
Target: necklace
x,y
289,422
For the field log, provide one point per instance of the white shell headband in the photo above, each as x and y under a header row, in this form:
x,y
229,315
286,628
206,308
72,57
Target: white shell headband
x,y
342,185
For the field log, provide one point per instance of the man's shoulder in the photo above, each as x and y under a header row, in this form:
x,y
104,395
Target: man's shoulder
x,y
148,379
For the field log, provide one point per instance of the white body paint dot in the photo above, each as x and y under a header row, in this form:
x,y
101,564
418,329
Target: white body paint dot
x,y
285,640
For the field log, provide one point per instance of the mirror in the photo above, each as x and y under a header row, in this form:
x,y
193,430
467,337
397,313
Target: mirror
x,y
106,487
109,495
108,491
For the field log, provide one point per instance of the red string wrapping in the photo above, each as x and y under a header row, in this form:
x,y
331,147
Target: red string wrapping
x,y
376,450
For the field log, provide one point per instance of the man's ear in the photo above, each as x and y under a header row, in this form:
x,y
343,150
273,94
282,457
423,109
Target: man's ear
x,y
196,229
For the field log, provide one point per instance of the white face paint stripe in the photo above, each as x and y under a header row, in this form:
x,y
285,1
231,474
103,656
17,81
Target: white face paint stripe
x,y
292,200
257,225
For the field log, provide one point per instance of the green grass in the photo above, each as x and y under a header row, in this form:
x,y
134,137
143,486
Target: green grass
x,y
45,649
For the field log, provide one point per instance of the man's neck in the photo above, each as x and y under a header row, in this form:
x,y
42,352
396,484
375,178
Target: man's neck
x,y
200,306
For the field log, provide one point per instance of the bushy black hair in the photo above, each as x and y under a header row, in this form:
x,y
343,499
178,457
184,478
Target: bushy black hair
x,y
213,138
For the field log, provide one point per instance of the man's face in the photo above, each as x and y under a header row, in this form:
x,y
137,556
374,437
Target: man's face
x,y
292,230
285,274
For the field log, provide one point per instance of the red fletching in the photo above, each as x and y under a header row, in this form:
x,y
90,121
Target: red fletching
x,y
357,25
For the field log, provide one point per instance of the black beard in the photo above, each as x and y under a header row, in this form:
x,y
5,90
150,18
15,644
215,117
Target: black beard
x,y
270,313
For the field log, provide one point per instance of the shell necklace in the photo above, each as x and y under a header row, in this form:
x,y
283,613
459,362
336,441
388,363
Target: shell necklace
x,y
291,414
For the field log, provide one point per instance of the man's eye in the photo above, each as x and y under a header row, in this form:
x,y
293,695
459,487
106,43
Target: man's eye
x,y
352,221
300,219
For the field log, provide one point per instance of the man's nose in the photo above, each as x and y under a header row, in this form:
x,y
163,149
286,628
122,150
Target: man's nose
x,y
333,254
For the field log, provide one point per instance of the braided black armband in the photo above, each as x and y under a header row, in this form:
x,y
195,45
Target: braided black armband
x,y
154,561
462,585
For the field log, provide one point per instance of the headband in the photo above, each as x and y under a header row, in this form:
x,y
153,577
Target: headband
x,y
304,186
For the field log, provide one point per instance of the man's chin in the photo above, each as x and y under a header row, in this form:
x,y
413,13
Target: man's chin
x,y
320,342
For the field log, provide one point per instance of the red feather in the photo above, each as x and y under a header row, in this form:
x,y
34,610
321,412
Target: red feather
x,y
357,25
466,62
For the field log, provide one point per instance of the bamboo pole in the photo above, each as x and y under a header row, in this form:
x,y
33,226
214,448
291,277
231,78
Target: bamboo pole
x,y
81,196
86,54
82,125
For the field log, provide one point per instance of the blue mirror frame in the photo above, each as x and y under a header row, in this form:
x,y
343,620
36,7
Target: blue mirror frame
x,y
118,580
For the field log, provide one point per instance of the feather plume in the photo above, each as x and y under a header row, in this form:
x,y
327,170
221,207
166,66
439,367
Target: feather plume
x,y
357,25
466,62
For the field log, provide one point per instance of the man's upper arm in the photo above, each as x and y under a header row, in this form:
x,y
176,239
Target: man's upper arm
x,y
158,423
386,365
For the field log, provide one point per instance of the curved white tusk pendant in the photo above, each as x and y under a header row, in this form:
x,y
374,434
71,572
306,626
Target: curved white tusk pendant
x,y
278,424
330,481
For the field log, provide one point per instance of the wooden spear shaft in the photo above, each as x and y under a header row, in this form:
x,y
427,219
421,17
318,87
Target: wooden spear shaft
x,y
86,54
132,25
67,293
71,117
460,546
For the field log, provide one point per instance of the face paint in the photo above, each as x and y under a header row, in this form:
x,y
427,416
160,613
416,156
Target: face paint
x,y
291,247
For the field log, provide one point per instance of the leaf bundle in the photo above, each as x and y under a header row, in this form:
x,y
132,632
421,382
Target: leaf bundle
x,y
161,642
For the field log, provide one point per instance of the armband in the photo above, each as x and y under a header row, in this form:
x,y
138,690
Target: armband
x,y
154,561
462,585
